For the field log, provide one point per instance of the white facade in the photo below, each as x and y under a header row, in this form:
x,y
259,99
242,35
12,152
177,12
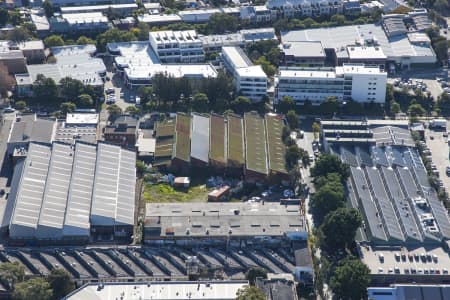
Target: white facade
x,y
295,8
350,82
250,80
177,46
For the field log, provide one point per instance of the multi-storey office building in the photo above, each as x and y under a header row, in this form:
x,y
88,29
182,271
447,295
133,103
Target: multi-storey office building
x,y
350,82
250,80
177,46
296,8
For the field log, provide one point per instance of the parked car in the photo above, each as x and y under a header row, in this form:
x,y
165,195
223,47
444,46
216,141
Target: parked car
x,y
9,109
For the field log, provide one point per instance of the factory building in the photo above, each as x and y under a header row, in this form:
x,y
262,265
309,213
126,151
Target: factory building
x,y
63,193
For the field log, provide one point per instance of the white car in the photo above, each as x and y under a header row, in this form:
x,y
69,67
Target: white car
x,y
9,109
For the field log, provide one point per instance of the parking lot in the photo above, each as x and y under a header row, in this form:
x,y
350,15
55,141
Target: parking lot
x,y
439,148
123,97
425,81
88,264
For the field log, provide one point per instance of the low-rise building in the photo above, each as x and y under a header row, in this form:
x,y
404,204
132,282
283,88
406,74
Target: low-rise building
x,y
159,19
122,131
310,54
123,9
223,223
298,8
410,291
177,46
92,21
351,82
29,128
76,62
64,193
250,80
159,290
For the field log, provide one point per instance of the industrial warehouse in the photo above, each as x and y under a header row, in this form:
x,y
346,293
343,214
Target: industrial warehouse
x,y
251,145
405,225
71,193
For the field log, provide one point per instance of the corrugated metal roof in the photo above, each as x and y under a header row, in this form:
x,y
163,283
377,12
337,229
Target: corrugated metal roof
x,y
29,196
55,195
200,138
80,191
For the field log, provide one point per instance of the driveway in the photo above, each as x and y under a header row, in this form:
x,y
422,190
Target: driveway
x,y
440,154
117,83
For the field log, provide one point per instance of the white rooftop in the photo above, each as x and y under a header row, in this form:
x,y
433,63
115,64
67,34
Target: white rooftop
x,y
159,18
365,52
81,118
252,71
82,18
169,290
304,49
236,57
71,9
311,73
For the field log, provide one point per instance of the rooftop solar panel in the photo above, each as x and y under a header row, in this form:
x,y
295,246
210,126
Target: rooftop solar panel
x,y
370,210
384,204
401,204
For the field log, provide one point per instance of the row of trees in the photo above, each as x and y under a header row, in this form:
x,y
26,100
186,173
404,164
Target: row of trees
x,y
52,287
336,229
183,94
9,16
69,90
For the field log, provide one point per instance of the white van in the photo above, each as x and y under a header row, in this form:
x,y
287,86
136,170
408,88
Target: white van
x,y
138,100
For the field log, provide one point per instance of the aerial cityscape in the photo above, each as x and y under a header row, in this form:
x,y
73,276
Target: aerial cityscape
x,y
224,150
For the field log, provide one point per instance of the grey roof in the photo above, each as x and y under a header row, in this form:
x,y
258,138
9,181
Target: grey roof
x,y
339,38
200,137
127,119
242,219
113,197
277,289
54,202
79,197
32,129
28,200
54,190
304,49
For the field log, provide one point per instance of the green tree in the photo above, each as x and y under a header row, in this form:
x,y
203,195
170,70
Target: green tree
x,y
20,105
54,41
145,92
350,280
286,104
394,107
67,107
241,104
441,48
132,110
304,157
326,199
114,111
18,35
70,88
61,283
416,110
338,19
292,119
4,17
12,273
113,35
33,289
49,10
82,40
250,293
45,89
329,163
140,167
200,103
339,229
292,156
255,272
144,30
220,23
85,101
267,67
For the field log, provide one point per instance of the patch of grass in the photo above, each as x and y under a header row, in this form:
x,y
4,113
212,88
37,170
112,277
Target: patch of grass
x,y
165,193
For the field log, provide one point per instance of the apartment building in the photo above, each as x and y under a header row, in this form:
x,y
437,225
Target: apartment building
x,y
250,80
350,82
177,46
297,8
